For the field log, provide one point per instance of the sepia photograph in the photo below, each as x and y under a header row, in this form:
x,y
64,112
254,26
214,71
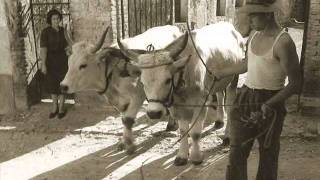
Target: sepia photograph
x,y
159,89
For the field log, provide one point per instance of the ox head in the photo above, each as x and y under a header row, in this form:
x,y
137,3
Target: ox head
x,y
86,68
157,71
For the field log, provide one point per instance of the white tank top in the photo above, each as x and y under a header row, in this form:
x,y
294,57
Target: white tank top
x,y
264,72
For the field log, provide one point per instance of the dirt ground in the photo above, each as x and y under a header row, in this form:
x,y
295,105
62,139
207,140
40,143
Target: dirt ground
x,y
82,146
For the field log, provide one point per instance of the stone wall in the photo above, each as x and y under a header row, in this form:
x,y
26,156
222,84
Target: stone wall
x,y
203,12
6,89
13,80
89,20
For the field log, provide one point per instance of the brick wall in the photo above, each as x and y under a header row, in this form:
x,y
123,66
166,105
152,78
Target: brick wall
x,y
311,94
299,10
312,53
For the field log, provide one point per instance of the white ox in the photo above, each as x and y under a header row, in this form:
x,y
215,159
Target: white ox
x,y
220,45
107,71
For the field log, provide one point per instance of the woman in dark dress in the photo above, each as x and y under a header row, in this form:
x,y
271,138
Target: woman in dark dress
x,y
54,60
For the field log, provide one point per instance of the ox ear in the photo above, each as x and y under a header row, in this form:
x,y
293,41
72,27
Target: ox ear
x,y
133,70
177,46
101,55
179,64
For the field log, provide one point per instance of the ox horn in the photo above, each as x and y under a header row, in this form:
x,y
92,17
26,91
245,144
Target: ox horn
x,y
100,42
128,53
67,36
177,46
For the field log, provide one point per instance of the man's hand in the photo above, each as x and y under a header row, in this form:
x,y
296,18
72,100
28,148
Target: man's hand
x,y
44,69
217,73
68,50
267,111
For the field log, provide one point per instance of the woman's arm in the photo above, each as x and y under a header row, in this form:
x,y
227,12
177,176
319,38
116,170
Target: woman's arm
x,y
43,50
43,58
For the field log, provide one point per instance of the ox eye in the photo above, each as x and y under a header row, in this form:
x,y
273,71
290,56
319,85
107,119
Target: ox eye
x,y
82,66
168,81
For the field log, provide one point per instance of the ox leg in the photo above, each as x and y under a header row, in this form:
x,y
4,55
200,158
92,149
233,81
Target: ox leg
x,y
172,124
127,136
196,156
231,94
220,110
128,119
182,156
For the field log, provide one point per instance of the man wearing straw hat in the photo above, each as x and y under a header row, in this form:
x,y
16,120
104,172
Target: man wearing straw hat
x,y
258,112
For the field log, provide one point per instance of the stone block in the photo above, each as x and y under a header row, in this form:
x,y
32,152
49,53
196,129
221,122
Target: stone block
x,y
7,104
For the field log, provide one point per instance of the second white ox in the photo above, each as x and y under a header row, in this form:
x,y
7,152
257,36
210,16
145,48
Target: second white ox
x,y
162,72
107,71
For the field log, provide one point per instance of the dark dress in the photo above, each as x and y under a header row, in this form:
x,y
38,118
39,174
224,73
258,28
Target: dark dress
x,y
57,60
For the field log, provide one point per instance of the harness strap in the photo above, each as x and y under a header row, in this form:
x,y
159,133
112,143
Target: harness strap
x,y
168,101
108,78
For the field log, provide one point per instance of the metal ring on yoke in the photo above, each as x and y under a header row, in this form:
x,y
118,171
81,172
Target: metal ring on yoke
x,y
150,48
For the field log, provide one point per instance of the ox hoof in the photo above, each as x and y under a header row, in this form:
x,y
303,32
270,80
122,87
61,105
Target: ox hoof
x,y
180,161
131,149
197,162
171,127
121,146
218,125
196,159
225,142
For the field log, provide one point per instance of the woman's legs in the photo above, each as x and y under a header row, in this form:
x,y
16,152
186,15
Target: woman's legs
x,y
54,110
61,103
54,102
62,111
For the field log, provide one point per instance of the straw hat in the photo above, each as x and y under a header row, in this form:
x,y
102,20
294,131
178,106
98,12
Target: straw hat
x,y
259,6
281,8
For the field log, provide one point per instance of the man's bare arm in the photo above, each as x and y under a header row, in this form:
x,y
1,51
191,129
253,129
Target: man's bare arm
x,y
285,51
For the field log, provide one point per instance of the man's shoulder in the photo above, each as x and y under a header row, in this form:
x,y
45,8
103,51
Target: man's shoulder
x,y
285,46
284,41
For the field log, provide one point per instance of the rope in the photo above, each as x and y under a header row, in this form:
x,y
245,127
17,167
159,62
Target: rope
x,y
267,131
194,45
211,105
